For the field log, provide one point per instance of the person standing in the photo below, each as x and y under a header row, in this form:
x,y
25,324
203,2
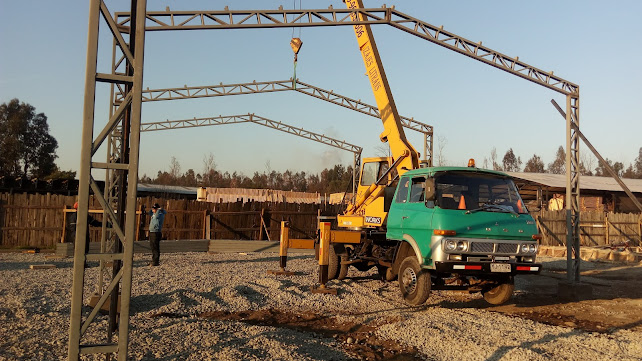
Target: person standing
x,y
155,225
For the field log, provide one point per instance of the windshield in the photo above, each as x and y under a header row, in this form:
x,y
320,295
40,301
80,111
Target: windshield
x,y
477,192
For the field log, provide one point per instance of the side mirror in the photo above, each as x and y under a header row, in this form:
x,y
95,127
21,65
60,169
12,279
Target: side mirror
x,y
430,189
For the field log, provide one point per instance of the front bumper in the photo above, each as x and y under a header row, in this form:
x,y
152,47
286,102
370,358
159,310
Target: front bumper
x,y
486,268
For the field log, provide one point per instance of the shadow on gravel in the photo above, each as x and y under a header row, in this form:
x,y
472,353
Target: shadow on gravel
x,y
263,259
147,303
531,345
287,285
358,339
230,345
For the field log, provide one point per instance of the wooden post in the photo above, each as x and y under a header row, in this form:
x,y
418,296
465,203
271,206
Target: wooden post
x,y
204,223
64,225
640,230
606,227
138,218
208,225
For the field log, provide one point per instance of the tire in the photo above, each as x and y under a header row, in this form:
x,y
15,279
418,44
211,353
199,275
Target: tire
x,y
343,268
334,264
386,273
414,282
500,293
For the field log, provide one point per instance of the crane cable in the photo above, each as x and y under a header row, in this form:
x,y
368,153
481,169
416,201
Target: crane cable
x,y
295,44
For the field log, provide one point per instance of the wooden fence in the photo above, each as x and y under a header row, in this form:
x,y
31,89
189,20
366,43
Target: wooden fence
x,y
35,220
596,228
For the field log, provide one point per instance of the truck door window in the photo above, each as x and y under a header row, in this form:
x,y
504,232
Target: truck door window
x,y
417,190
402,190
373,171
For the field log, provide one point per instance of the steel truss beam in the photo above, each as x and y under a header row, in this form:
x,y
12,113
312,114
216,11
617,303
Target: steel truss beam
x,y
253,118
253,19
250,118
255,87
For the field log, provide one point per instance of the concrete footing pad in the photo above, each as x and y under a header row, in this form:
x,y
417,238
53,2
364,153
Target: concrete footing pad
x,y
281,273
324,289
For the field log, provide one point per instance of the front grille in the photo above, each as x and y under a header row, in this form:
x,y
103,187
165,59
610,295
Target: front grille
x,y
507,248
493,248
482,247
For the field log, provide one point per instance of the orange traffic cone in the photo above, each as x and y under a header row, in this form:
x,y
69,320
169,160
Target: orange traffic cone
x,y
520,207
462,202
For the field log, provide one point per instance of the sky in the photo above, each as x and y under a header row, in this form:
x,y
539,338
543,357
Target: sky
x,y
473,107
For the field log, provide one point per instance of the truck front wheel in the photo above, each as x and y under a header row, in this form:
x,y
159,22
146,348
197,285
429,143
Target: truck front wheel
x,y
500,293
414,282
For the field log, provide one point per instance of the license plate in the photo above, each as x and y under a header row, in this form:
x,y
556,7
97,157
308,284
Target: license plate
x,y
500,267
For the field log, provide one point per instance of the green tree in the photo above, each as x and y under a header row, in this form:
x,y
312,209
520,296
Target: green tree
x,y
534,165
61,174
601,171
637,165
510,162
26,146
558,166
629,172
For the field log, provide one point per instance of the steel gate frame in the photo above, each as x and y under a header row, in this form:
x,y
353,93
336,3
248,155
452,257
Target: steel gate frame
x,y
122,163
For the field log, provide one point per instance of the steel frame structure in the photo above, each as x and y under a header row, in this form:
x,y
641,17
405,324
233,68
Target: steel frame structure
x,y
255,87
119,197
255,119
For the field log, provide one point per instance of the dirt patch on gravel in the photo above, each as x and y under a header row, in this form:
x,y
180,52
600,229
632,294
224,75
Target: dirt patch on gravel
x,y
357,339
615,303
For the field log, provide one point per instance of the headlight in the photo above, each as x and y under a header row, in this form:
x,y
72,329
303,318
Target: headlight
x,y
532,248
462,246
524,248
450,245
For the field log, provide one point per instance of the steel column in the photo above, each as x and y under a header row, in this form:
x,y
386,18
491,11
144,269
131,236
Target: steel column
x,y
75,320
572,188
123,148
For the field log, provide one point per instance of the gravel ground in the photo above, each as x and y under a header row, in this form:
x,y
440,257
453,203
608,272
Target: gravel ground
x,y
198,306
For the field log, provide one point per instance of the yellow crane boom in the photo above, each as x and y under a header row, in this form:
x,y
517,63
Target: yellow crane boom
x,y
404,155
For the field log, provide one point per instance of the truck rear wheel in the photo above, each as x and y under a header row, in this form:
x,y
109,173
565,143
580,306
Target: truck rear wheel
x,y
414,282
500,293
343,268
334,263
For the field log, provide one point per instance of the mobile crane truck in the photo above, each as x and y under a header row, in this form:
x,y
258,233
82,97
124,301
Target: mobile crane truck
x,y
458,228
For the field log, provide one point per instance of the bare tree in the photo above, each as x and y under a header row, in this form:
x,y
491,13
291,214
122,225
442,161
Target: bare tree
x,y
441,145
383,150
587,164
174,169
209,164
493,159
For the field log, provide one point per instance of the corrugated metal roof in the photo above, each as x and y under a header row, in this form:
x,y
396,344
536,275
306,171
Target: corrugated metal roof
x,y
159,188
586,182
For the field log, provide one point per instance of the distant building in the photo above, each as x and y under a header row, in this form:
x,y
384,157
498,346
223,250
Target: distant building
x,y
548,191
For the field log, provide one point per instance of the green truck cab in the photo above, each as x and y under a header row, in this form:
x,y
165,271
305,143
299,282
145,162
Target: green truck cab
x,y
460,228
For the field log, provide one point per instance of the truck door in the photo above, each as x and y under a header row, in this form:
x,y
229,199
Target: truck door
x,y
416,220
397,210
